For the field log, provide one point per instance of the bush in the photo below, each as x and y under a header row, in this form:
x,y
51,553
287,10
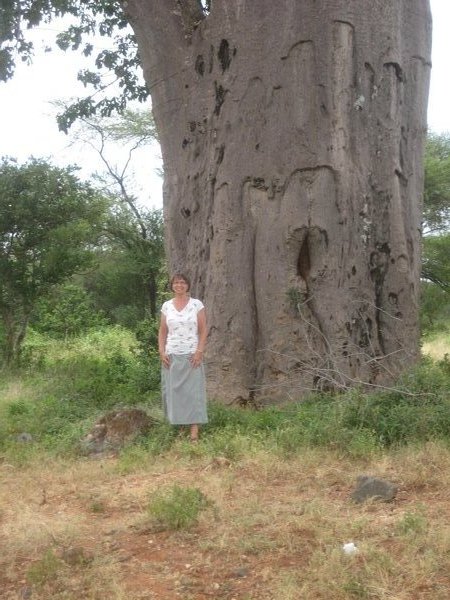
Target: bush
x,y
434,308
177,508
418,409
146,351
68,311
102,364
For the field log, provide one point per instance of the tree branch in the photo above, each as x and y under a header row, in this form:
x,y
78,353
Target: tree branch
x,y
158,26
118,178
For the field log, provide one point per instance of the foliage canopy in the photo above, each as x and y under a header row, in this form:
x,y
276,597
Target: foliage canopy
x,y
437,183
85,19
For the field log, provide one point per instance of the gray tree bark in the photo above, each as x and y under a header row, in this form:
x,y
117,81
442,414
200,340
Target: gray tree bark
x,y
292,137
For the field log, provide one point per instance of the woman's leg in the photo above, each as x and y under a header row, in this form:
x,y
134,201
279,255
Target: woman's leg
x,y
194,432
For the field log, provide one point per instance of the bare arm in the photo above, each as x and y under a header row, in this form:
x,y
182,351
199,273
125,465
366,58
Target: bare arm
x,y
162,338
197,358
202,330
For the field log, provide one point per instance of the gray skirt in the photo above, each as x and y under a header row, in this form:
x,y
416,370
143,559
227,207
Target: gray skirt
x,y
183,391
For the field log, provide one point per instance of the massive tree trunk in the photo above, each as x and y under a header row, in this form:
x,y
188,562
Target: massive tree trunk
x,y
292,137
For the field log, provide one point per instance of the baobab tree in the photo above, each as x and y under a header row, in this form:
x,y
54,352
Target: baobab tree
x,y
292,137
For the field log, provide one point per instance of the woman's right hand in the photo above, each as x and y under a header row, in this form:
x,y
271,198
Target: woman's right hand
x,y
165,360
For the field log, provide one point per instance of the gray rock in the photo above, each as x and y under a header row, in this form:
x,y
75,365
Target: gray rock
x,y
373,487
240,572
24,438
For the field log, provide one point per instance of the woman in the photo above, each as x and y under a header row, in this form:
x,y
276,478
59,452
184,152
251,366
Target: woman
x,y
181,341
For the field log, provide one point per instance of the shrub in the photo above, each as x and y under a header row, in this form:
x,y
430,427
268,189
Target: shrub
x,y
418,411
434,308
146,351
178,507
67,311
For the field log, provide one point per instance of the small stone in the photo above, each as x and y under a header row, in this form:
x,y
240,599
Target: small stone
x,y
240,572
24,438
349,548
216,586
26,593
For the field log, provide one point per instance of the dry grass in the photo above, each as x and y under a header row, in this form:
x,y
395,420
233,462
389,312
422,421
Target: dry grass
x,y
437,348
16,389
276,531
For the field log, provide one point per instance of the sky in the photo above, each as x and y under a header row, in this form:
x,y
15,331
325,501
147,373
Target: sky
x,y
28,118
28,125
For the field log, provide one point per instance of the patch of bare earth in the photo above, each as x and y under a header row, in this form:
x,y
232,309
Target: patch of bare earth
x,y
275,530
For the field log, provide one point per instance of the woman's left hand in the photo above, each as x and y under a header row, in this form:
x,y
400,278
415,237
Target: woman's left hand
x,y
196,359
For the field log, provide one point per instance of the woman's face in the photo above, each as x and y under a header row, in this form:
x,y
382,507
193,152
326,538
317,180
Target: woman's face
x,y
179,285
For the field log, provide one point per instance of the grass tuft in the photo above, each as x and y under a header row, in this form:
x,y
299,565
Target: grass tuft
x,y
177,508
45,569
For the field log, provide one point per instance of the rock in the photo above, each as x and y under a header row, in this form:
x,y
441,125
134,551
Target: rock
x,y
115,429
373,487
24,438
26,593
240,572
350,548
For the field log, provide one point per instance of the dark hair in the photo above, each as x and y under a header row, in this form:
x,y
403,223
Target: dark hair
x,y
180,276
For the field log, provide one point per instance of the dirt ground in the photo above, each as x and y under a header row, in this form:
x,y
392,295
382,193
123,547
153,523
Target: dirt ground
x,y
274,531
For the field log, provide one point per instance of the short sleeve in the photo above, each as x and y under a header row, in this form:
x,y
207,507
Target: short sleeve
x,y
198,305
164,308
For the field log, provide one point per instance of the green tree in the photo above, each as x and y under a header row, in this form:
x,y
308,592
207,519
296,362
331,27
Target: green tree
x,y
436,213
66,311
434,308
49,220
435,297
134,233
436,263
103,17
144,255
126,281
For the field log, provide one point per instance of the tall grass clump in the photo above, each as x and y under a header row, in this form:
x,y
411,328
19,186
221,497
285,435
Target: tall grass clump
x,y
44,570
